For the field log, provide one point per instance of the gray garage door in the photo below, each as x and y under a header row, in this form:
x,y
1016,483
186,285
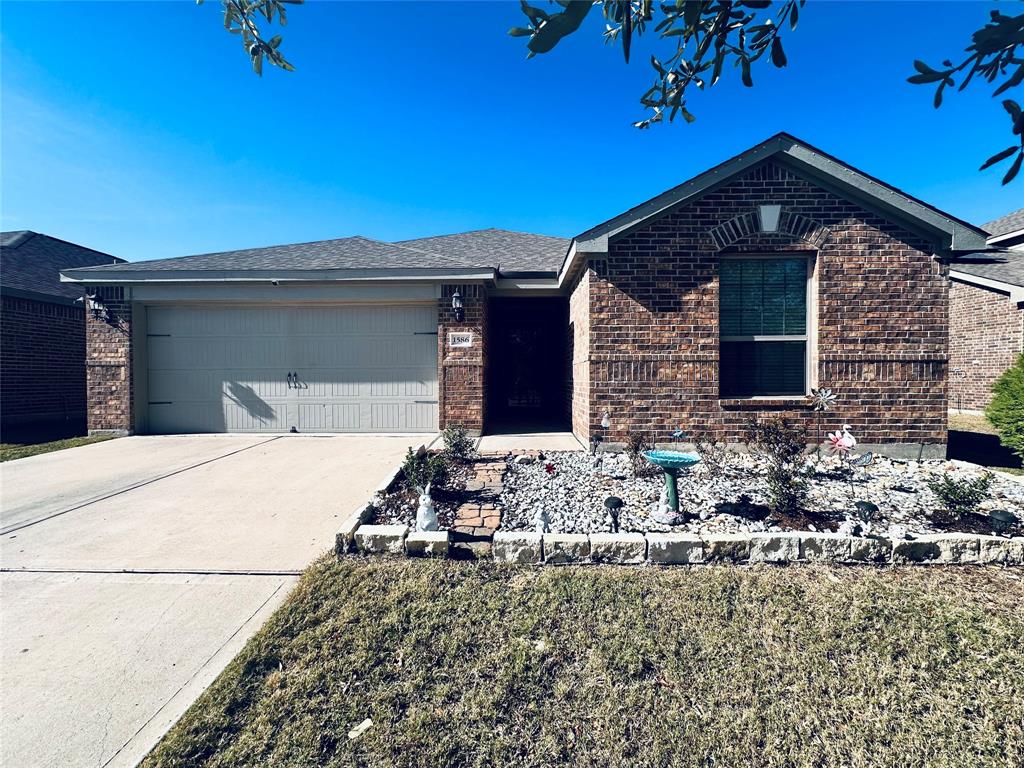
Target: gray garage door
x,y
351,368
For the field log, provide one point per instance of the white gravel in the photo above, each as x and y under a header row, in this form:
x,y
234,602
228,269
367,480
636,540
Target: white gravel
x,y
573,495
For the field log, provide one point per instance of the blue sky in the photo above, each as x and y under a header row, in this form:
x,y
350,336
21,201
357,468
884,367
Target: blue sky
x,y
139,128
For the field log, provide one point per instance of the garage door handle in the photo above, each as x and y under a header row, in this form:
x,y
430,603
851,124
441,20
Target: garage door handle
x,y
289,377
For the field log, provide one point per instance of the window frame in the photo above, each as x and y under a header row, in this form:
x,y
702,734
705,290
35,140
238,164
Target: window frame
x,y
807,337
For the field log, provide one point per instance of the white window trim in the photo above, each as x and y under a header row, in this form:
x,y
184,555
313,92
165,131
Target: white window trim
x,y
810,307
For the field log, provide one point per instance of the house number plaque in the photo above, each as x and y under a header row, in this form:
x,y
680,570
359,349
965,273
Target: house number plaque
x,y
460,339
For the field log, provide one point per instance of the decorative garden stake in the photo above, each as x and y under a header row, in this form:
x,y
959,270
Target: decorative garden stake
x,y
822,400
426,515
613,504
841,442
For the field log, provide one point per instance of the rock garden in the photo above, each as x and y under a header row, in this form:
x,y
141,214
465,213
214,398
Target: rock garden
x,y
774,485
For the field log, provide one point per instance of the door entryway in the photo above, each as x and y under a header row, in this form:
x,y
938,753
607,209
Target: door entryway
x,y
528,365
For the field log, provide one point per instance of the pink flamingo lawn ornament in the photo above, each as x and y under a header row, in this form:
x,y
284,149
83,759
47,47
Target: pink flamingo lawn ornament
x,y
841,442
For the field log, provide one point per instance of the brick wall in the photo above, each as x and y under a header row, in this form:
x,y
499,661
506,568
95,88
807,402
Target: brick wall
x,y
109,365
461,369
881,318
986,335
579,354
42,356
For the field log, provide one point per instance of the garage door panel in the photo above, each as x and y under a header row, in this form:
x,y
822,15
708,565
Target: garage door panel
x,y
359,368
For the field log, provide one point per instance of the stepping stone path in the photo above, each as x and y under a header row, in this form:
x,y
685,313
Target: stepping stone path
x,y
479,517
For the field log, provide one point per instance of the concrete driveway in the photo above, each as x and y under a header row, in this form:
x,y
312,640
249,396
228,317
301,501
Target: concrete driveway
x,y
133,570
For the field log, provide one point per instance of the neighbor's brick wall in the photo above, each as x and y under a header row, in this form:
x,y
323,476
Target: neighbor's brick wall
x,y
109,365
882,320
461,398
42,359
986,335
579,355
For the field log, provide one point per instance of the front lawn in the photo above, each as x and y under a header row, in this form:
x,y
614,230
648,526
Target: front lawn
x,y
475,664
10,451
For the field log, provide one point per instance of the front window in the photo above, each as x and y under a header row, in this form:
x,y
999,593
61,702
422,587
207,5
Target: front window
x,y
763,326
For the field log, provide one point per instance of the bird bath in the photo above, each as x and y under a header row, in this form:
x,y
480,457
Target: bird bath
x,y
671,463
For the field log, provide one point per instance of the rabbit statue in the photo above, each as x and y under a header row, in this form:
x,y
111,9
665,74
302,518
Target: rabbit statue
x,y
426,515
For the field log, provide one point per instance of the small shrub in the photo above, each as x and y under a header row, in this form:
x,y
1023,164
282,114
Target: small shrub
x,y
1006,411
458,445
781,445
422,468
959,495
712,454
635,447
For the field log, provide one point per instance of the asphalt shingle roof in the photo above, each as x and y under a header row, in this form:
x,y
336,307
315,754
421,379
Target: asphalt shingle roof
x,y
1005,266
344,253
1011,222
487,248
30,261
500,249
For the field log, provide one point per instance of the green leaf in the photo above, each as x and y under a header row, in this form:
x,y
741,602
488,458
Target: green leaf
x,y
778,55
794,15
1014,169
1014,80
923,78
999,157
520,32
745,76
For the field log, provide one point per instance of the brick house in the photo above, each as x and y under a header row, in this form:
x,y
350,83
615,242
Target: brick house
x,y
42,351
986,313
723,299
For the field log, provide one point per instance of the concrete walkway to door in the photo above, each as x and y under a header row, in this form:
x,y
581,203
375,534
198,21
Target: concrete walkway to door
x,y
133,570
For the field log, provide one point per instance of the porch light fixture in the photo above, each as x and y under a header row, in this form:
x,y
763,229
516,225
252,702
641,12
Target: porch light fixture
x,y
95,305
458,307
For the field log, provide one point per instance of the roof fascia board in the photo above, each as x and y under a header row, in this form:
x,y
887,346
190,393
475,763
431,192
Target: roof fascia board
x,y
1005,236
1016,291
102,277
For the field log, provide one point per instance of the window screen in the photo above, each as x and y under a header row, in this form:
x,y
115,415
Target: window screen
x,y
763,327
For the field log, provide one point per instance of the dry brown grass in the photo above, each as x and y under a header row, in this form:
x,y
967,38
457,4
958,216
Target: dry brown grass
x,y
463,664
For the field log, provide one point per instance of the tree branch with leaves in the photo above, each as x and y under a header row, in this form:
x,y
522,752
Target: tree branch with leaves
x,y
991,56
241,17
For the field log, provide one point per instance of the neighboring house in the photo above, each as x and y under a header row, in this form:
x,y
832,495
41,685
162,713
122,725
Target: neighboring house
x,y
724,299
42,350
986,309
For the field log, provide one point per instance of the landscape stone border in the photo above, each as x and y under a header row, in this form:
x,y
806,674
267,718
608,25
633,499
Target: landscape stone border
x,y
529,548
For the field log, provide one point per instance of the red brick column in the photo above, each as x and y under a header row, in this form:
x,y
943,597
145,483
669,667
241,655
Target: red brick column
x,y
461,397
108,365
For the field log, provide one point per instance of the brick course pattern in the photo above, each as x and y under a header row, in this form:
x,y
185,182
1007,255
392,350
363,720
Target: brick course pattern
x,y
109,365
986,335
42,356
881,317
461,369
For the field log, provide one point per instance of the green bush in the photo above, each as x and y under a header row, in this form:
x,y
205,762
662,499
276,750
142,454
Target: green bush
x,y
458,445
422,468
1006,411
959,495
782,445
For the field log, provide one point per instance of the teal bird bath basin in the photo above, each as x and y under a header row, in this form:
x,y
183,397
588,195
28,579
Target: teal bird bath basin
x,y
671,463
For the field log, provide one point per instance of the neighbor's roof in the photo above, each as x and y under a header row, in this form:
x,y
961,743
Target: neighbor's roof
x,y
31,263
812,163
1003,267
459,254
501,249
1004,225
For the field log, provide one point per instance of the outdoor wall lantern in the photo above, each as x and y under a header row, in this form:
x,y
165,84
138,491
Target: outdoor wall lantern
x,y
458,307
95,305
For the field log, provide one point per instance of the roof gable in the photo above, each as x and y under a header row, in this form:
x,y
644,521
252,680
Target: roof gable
x,y
948,232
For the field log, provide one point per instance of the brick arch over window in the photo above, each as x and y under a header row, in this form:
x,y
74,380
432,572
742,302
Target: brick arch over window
x,y
758,221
